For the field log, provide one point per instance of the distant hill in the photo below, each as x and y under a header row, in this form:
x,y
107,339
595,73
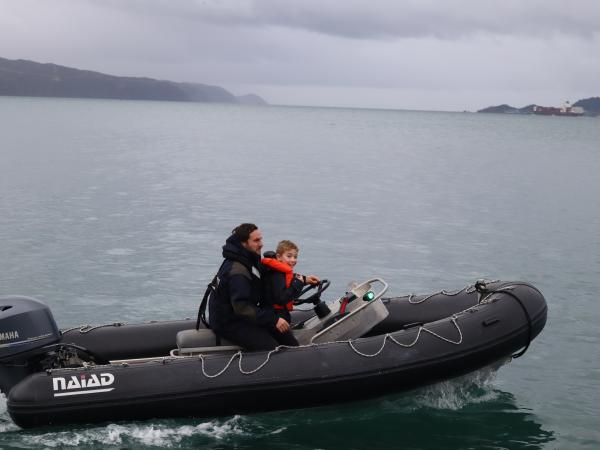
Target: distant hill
x,y
28,78
591,107
251,99
507,109
501,109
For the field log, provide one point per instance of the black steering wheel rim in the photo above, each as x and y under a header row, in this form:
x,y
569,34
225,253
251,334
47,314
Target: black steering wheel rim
x,y
315,298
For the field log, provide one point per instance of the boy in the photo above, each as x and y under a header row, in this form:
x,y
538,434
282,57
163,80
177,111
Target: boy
x,y
281,285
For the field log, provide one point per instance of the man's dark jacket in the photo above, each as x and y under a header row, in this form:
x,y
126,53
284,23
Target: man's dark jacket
x,y
237,296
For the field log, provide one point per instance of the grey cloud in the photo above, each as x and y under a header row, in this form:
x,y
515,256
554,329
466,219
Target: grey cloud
x,y
387,19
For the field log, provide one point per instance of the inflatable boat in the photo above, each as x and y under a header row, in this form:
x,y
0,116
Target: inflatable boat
x,y
357,346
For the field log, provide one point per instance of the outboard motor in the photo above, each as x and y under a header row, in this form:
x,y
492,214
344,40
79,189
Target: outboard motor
x,y
26,329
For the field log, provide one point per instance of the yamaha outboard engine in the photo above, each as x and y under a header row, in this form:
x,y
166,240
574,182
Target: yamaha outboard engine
x,y
26,329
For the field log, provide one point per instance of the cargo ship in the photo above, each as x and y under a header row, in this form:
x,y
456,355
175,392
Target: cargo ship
x,y
564,110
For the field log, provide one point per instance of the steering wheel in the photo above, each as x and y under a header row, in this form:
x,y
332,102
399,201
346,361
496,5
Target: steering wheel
x,y
315,298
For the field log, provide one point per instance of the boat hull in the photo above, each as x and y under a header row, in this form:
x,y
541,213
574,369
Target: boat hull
x,y
467,337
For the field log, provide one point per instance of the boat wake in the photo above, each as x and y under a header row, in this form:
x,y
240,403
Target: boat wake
x,y
163,434
6,424
474,388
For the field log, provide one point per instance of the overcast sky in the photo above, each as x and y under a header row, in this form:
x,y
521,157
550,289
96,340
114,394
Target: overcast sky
x,y
400,54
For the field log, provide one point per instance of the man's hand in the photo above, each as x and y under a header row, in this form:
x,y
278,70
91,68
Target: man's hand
x,y
282,325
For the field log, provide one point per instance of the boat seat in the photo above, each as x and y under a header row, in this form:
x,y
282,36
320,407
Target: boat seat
x,y
202,341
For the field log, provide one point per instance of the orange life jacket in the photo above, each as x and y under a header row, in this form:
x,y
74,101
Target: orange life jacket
x,y
282,267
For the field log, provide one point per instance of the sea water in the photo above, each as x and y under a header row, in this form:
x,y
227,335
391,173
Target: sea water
x,y
115,211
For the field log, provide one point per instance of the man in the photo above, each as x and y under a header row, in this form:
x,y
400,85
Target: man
x,y
234,310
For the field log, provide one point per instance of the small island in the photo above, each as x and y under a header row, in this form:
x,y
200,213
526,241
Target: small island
x,y
33,79
585,107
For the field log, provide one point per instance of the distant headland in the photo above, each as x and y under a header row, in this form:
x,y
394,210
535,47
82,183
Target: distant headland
x,y
585,107
33,79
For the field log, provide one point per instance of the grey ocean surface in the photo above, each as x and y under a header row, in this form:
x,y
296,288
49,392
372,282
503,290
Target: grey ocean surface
x,y
115,211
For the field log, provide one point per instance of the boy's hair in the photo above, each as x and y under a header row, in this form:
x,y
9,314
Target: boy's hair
x,y
285,246
243,231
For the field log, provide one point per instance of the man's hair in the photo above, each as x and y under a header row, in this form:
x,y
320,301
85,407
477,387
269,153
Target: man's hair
x,y
243,231
285,246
